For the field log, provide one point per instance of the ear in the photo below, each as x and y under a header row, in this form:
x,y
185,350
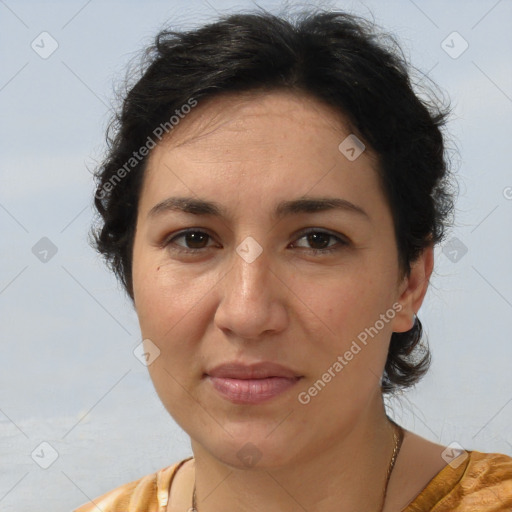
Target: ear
x,y
412,290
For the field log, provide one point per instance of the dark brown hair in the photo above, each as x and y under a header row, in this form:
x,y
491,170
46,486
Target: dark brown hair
x,y
337,58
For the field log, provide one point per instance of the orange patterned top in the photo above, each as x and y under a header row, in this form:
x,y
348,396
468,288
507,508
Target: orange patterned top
x,y
482,483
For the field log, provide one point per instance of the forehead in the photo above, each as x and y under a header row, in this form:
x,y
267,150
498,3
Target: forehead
x,y
264,116
255,146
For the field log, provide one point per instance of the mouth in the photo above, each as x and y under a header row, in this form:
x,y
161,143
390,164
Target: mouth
x,y
251,391
251,384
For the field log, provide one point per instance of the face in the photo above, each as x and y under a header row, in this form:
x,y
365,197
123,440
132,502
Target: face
x,y
264,279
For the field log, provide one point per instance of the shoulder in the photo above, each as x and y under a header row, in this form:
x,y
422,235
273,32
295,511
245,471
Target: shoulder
x,y
488,475
480,482
493,467
146,494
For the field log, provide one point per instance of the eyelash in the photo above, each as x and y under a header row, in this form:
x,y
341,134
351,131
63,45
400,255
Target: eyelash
x,y
341,241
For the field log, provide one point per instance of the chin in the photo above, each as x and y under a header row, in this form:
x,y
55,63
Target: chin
x,y
253,448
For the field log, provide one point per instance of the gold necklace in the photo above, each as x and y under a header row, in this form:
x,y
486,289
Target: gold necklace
x,y
398,436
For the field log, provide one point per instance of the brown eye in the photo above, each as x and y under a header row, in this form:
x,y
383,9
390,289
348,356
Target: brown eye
x,y
319,241
195,240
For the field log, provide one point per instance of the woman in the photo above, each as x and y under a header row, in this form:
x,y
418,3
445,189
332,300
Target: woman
x,y
271,201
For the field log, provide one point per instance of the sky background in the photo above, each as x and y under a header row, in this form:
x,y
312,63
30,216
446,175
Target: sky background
x,y
68,375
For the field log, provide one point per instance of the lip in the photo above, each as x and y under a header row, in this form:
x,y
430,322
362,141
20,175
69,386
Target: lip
x,y
251,383
260,370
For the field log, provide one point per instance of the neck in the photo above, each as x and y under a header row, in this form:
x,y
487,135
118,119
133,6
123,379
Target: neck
x,y
349,475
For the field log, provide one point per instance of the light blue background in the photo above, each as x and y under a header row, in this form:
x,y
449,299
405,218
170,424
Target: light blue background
x,y
67,372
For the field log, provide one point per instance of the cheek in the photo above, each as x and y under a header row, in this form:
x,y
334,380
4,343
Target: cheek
x,y
168,306
352,302
352,326
165,295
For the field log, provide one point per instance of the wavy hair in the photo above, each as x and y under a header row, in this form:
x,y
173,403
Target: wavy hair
x,y
337,58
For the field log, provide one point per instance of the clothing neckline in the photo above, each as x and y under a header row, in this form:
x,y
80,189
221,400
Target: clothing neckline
x,y
439,480
164,481
166,476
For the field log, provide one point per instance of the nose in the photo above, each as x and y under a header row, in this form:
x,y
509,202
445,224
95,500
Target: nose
x,y
252,299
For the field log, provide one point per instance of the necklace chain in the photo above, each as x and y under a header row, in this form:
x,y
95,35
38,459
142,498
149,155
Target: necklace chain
x,y
398,436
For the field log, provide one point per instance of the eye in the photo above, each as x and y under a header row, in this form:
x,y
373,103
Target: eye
x,y
321,238
194,239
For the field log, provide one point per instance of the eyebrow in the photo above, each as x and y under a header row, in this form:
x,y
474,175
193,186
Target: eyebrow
x,y
196,206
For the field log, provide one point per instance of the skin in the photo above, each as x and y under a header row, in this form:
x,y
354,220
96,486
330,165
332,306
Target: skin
x,y
249,152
